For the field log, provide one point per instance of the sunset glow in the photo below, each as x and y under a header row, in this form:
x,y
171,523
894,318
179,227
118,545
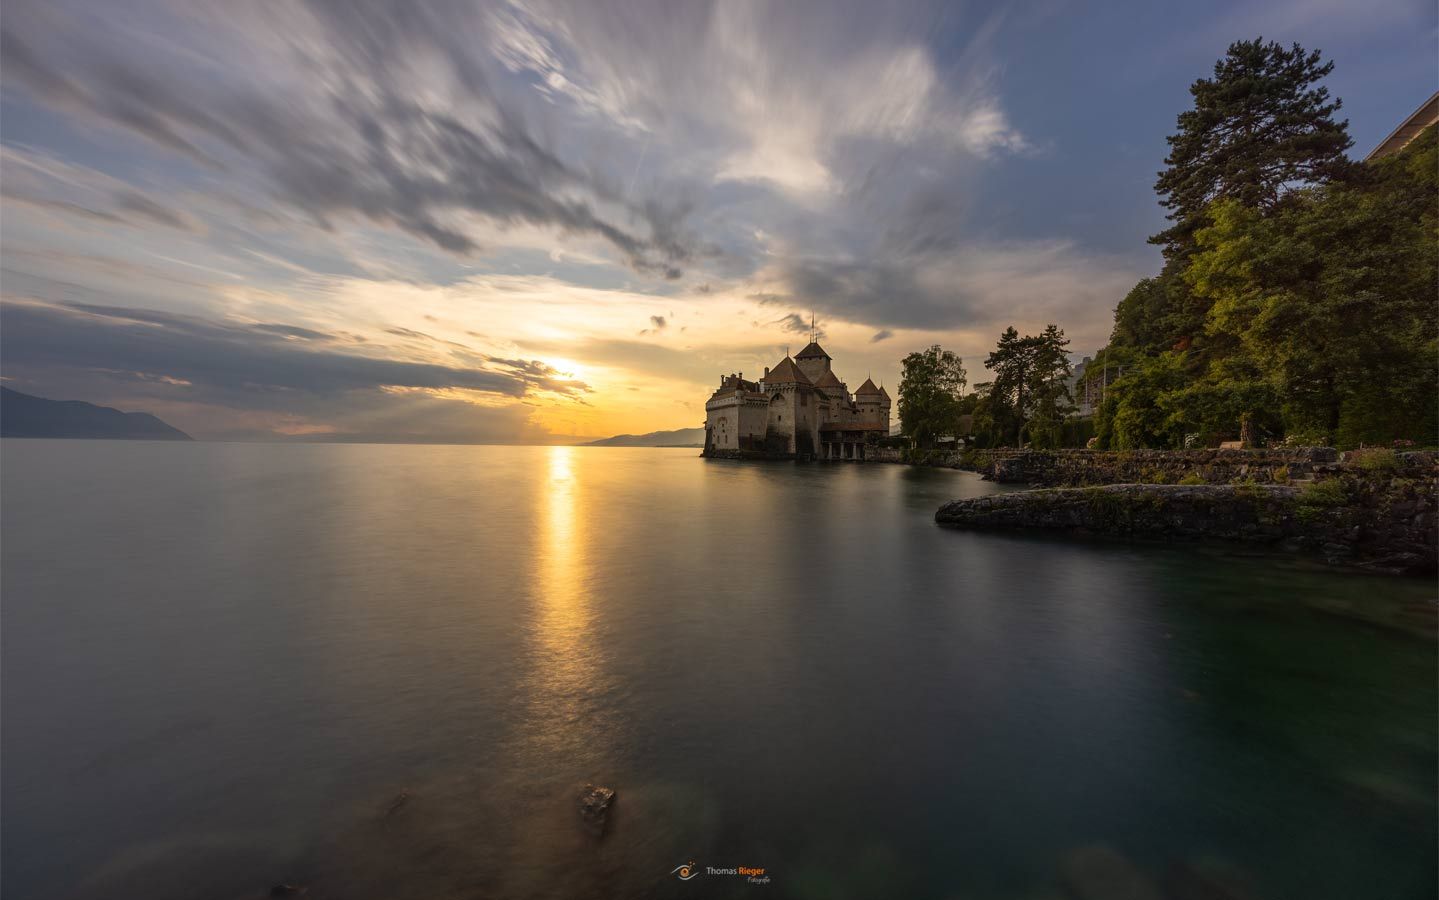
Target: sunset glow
x,y
544,221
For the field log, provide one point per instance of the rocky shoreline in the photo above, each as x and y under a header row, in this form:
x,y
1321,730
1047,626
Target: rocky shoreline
x,y
1375,511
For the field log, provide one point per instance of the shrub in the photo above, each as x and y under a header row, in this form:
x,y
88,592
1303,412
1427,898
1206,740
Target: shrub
x,y
1301,438
1192,478
1376,460
1323,494
1281,475
1248,489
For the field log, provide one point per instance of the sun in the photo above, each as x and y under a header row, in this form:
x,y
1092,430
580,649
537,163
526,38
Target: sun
x,y
566,367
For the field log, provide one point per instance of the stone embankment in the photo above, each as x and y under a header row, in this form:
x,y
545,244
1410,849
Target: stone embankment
x,y
1078,468
1377,514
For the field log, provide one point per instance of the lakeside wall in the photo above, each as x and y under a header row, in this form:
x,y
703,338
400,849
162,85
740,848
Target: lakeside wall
x,y
1375,510
1078,468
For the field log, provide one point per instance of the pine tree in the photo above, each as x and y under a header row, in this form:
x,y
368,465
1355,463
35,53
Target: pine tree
x,y
1258,128
1029,385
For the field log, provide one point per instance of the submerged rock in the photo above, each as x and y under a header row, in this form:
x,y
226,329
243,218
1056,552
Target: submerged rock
x,y
594,805
1098,872
397,804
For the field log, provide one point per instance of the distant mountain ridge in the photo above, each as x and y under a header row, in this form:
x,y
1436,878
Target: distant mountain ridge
x,y
25,416
680,437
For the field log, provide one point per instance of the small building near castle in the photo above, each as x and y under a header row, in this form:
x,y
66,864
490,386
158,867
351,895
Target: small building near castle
x,y
800,409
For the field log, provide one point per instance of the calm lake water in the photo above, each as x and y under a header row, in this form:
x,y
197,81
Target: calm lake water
x,y
223,662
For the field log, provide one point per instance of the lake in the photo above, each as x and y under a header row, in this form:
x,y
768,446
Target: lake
x,y
224,663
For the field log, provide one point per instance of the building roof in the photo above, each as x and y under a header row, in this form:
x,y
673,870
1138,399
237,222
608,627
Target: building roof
x,y
735,383
868,388
883,393
812,351
1427,114
829,380
786,372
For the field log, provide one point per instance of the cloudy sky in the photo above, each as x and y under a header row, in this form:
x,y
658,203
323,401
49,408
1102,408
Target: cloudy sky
x,y
530,221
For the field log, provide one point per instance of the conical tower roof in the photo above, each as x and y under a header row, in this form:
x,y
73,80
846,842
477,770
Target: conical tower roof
x,y
868,389
812,351
786,372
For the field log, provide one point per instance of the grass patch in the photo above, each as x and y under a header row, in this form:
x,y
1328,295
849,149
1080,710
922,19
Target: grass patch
x,y
1318,497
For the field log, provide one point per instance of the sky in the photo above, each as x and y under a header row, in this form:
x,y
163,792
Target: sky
x,y
541,222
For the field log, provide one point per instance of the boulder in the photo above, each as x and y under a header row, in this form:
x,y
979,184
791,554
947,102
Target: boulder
x,y
594,806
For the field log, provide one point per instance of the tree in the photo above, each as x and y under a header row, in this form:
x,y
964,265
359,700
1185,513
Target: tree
x,y
987,425
1030,388
1259,127
929,394
1332,298
1007,393
1050,400
1159,314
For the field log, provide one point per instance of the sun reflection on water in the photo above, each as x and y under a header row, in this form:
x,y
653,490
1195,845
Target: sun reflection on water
x,y
563,645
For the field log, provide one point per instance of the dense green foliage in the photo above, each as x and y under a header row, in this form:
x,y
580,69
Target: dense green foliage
x,y
1287,311
1258,127
929,394
1029,397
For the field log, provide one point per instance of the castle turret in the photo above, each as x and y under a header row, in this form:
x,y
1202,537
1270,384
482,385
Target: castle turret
x,y
873,403
813,361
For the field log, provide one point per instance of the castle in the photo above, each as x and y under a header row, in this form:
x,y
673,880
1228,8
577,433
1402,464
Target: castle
x,y
798,410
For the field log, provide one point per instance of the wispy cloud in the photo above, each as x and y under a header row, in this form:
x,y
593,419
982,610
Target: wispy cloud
x,y
358,137
340,218
234,363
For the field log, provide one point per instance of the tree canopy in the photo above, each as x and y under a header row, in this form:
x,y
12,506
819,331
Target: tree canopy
x,y
1302,305
929,394
1029,396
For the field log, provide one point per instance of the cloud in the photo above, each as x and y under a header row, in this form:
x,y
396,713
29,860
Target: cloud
x,y
973,287
293,331
795,323
144,207
776,89
354,130
265,366
306,179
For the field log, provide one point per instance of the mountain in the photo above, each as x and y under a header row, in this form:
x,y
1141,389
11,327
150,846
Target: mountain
x,y
680,437
24,416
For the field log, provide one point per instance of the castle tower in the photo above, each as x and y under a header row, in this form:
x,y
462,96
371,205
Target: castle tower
x,y
873,403
813,361
792,425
